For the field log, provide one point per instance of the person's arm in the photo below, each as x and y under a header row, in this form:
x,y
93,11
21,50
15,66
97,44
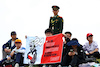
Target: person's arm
x,y
50,23
71,53
68,48
96,50
84,47
9,50
85,50
61,25
20,51
81,53
25,36
11,54
6,48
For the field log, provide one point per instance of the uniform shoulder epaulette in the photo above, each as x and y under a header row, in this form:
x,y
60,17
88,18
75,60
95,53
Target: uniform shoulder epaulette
x,y
60,16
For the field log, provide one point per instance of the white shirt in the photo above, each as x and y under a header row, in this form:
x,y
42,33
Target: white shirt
x,y
12,43
90,47
20,50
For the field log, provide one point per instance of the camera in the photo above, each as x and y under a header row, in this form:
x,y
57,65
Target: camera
x,y
67,39
71,50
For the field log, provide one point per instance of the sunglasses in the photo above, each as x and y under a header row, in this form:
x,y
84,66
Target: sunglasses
x,y
90,36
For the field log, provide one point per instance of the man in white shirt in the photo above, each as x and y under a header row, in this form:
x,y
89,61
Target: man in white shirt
x,y
18,51
91,47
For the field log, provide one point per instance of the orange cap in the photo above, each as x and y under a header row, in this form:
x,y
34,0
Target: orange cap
x,y
18,41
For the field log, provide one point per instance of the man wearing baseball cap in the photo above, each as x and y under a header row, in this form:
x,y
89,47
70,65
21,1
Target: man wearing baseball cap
x,y
17,54
56,22
7,47
91,47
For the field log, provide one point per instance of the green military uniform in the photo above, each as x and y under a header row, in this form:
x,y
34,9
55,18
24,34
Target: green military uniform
x,y
56,24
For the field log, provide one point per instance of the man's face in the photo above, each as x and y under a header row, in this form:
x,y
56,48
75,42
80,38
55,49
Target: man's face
x,y
55,12
90,38
68,36
48,34
18,45
13,36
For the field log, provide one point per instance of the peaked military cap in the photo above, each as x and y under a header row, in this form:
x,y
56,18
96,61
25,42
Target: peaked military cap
x,y
55,7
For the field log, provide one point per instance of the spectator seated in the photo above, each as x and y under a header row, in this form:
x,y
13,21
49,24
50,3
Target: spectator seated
x,y
17,58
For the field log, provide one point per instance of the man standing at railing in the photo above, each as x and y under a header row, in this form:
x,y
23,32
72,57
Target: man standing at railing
x,y
56,22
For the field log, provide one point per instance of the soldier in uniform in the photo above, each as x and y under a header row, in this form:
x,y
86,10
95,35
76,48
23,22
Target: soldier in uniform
x,y
56,22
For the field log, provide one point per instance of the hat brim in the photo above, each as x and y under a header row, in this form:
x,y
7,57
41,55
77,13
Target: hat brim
x,y
73,43
17,42
13,34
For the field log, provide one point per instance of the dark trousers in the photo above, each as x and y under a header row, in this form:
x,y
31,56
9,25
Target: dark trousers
x,y
4,54
1,62
95,54
68,60
19,59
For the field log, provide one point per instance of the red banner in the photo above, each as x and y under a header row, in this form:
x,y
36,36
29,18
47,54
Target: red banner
x,y
52,49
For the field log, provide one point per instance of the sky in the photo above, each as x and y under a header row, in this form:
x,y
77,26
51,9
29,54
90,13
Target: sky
x,y
31,18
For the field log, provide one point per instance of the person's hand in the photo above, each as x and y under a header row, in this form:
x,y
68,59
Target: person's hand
x,y
65,42
8,58
70,53
64,35
9,50
73,53
25,36
6,50
87,53
91,52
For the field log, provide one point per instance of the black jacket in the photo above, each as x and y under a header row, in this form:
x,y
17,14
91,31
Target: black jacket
x,y
8,44
80,51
